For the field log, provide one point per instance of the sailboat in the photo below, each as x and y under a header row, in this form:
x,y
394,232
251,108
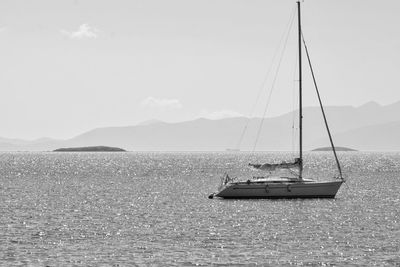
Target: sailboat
x,y
285,187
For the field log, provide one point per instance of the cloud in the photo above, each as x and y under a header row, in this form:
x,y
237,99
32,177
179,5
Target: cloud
x,y
219,114
85,31
160,103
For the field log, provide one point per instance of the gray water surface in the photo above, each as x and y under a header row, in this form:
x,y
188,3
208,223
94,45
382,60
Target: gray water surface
x,y
119,209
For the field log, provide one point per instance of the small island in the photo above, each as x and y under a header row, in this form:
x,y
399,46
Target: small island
x,y
90,149
337,148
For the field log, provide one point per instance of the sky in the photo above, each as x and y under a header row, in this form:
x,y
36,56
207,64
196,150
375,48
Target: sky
x,y
69,66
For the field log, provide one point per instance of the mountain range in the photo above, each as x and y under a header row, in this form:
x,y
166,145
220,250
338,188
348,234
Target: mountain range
x,y
370,127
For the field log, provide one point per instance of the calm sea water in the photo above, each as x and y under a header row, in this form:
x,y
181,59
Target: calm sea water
x,y
123,209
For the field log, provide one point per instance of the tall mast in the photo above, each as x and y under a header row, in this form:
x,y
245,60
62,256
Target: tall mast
x,y
300,98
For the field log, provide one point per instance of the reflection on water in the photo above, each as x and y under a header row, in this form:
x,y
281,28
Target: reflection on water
x,y
152,208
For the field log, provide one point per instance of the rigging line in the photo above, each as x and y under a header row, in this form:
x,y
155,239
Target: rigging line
x,y
272,86
322,109
294,172
288,27
293,105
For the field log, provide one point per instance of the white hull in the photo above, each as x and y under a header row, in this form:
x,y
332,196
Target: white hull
x,y
280,189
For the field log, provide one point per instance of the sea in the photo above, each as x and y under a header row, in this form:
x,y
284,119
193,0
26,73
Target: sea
x,y
152,209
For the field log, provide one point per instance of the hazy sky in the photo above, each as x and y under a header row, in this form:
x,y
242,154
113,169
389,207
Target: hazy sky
x,y
70,66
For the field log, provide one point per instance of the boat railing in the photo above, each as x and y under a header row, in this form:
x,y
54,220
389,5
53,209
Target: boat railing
x,y
225,179
259,177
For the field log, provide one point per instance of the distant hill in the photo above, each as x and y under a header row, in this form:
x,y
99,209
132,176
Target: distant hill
x,y
150,122
339,148
90,149
379,137
368,127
